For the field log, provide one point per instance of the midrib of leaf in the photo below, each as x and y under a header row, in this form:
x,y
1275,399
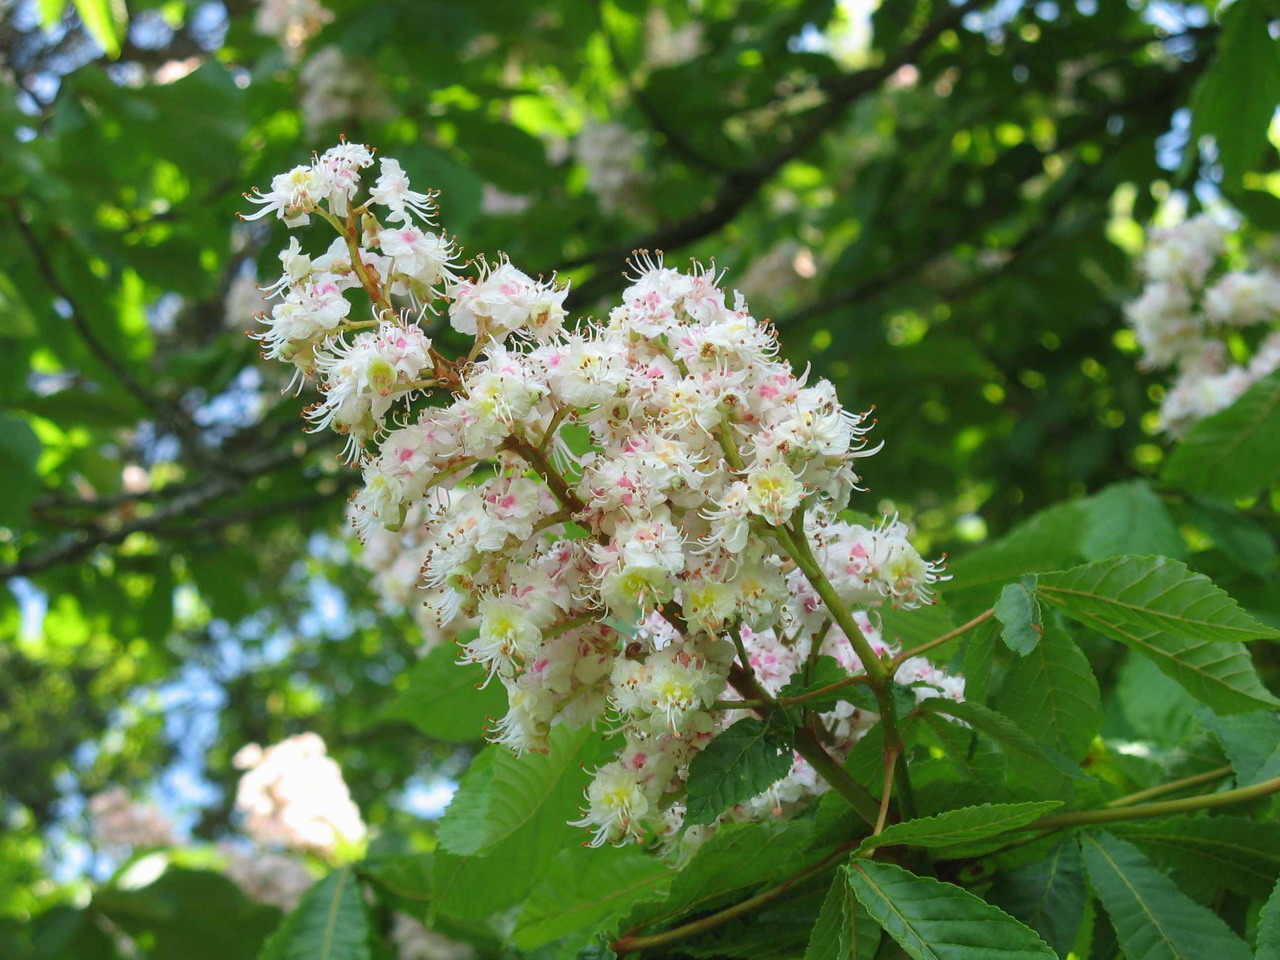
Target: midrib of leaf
x,y
907,925
331,922
530,811
617,893
960,832
1143,642
1053,875
1137,896
724,776
1203,848
1113,601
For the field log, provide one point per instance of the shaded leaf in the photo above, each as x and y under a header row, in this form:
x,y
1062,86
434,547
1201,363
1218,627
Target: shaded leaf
x,y
1047,895
1154,920
844,930
1129,518
1238,853
1053,695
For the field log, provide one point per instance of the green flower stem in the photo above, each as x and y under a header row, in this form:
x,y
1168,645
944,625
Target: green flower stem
x,y
797,546
1172,786
808,745
1163,808
629,943
938,641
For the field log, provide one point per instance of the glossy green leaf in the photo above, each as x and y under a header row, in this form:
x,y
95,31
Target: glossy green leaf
x,y
954,827
844,930
1053,695
737,765
528,802
1269,926
585,890
1236,98
443,700
1003,731
932,920
105,22
1251,741
729,867
1154,920
1180,620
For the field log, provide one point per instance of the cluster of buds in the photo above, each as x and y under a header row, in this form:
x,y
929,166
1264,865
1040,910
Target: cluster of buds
x,y
625,511
1217,326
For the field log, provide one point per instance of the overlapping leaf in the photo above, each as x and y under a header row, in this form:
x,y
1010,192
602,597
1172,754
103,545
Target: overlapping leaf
x,y
1187,626
954,827
932,920
1153,919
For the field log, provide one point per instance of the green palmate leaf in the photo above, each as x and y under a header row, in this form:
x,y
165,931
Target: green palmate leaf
x,y
465,828
1150,593
1019,611
1236,98
1153,919
1002,730
331,922
585,890
959,826
442,699
1048,541
1053,695
1235,852
528,802
1047,895
737,765
1178,619
1269,926
932,920
1251,742
1129,518
19,482
1236,452
844,930
729,867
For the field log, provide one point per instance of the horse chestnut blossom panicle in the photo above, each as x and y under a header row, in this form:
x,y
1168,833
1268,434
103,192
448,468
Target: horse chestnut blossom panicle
x,y
117,820
1215,324
640,514
292,795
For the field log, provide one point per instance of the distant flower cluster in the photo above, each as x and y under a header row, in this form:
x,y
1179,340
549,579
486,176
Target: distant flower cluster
x,y
1215,326
293,796
617,506
117,820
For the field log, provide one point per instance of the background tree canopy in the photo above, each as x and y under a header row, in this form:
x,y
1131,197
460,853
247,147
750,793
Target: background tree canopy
x,y
936,203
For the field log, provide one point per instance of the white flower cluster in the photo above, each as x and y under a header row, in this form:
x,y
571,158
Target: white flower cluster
x,y
293,795
117,820
1190,314
617,505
